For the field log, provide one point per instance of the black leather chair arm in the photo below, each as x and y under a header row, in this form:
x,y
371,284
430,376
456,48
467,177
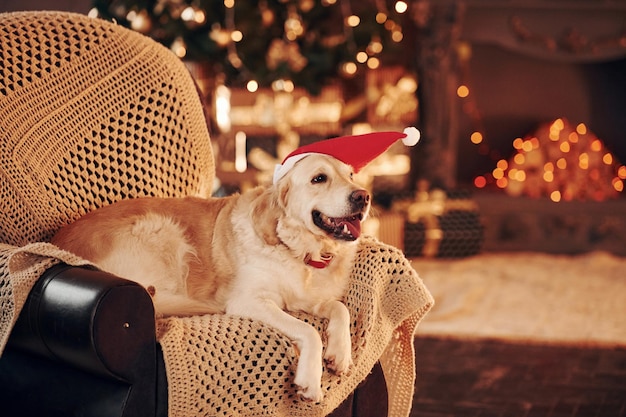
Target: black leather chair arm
x,y
90,319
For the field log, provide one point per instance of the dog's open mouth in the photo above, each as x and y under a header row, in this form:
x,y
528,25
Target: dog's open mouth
x,y
343,228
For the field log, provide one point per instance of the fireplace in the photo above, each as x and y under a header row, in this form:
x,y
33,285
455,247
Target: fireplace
x,y
522,65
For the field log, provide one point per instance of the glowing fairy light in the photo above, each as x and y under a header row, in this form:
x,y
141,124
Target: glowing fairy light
x,y
462,91
583,161
498,173
401,7
548,176
236,36
596,145
397,36
375,46
480,181
349,68
476,138
373,63
252,86
353,21
188,14
534,142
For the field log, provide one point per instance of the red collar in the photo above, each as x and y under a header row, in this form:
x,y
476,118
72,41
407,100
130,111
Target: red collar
x,y
321,264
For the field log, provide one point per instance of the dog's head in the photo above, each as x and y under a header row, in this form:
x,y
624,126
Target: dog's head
x,y
319,193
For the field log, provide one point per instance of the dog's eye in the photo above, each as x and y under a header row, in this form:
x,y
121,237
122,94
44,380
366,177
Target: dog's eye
x,y
352,175
318,179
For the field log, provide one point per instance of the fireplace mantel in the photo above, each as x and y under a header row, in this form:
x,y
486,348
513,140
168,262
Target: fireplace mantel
x,y
554,30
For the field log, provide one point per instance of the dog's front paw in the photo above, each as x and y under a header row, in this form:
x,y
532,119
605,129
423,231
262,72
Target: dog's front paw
x,y
309,390
313,394
308,376
338,355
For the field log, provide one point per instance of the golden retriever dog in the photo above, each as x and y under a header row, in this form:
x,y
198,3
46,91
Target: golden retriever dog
x,y
287,247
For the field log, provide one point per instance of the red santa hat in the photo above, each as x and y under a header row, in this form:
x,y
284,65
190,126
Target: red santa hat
x,y
356,151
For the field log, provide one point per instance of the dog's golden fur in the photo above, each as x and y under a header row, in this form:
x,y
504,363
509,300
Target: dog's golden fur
x,y
245,255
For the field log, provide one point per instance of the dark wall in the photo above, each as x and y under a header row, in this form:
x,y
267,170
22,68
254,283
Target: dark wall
x,y
80,6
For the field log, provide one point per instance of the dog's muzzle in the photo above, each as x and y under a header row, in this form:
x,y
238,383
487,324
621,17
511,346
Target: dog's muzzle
x,y
348,227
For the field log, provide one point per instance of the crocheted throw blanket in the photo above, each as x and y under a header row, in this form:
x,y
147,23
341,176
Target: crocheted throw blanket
x,y
219,365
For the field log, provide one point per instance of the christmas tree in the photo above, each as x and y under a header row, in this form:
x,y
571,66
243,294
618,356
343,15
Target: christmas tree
x,y
308,42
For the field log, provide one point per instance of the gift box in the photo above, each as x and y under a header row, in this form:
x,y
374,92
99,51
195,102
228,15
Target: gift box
x,y
434,224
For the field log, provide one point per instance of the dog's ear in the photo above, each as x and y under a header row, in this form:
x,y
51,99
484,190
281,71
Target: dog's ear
x,y
265,213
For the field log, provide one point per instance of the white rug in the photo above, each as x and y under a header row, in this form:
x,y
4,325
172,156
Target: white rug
x,y
530,297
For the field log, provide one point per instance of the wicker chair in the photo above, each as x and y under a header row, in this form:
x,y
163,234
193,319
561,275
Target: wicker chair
x,y
91,113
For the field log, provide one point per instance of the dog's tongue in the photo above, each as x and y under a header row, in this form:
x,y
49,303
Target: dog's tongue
x,y
353,225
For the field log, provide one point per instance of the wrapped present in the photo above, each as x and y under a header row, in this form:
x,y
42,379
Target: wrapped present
x,y
435,224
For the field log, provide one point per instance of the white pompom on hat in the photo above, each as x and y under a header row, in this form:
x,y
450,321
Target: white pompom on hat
x,y
356,150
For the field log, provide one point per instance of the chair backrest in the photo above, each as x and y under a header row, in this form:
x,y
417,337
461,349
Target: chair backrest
x,y
91,113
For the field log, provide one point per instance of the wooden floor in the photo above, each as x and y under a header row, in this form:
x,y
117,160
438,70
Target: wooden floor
x,y
490,378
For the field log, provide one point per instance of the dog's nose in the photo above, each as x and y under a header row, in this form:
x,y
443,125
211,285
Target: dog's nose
x,y
359,199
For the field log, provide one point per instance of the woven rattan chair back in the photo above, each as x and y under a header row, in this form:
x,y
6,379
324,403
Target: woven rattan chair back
x,y
91,113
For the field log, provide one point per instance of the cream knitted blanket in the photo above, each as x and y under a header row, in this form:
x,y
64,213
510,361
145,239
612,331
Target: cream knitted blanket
x,y
226,366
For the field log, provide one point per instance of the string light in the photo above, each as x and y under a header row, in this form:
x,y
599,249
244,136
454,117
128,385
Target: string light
x,y
349,68
252,86
480,182
401,7
572,149
353,21
373,63
397,36
476,138
560,162
236,36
